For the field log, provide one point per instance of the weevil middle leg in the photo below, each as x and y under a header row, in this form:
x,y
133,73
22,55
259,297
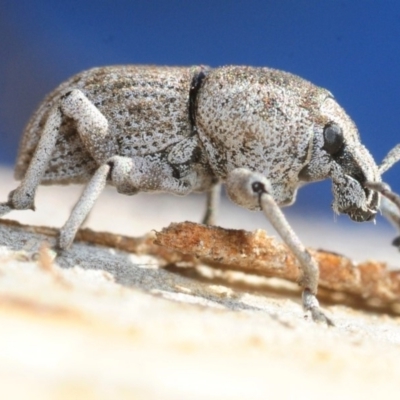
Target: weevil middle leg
x,y
212,204
129,176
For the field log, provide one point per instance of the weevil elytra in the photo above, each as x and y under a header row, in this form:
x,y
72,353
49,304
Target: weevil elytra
x,y
262,132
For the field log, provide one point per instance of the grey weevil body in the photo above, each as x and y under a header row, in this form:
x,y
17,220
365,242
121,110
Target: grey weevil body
x,y
262,132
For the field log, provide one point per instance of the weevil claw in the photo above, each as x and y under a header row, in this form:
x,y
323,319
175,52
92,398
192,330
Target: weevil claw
x,y
310,303
396,242
320,317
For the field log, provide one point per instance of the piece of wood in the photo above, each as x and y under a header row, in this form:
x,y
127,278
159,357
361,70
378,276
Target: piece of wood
x,y
255,252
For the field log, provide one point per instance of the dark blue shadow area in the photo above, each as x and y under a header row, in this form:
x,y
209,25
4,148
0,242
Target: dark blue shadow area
x,y
350,47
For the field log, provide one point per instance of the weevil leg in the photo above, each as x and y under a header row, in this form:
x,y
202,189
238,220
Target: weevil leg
x,y
392,213
4,209
91,125
142,174
129,176
390,205
254,190
309,266
212,205
22,198
391,158
92,128
83,206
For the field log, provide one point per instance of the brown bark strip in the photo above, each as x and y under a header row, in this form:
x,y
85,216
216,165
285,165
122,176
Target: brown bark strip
x,y
257,253
250,252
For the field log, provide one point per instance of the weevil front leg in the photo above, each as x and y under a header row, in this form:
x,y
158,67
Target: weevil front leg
x,y
392,213
252,189
92,128
390,204
129,176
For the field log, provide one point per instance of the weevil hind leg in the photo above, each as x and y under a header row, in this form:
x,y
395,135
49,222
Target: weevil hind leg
x,y
92,128
254,191
91,125
22,198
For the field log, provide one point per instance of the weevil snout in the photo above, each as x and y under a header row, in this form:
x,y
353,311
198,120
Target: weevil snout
x,y
372,200
355,166
359,204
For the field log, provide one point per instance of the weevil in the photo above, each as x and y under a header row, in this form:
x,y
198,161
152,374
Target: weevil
x,y
262,132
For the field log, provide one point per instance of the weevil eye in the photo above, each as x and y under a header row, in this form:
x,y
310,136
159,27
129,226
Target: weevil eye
x,y
333,138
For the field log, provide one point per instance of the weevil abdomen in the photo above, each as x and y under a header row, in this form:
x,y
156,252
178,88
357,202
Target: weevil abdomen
x,y
147,110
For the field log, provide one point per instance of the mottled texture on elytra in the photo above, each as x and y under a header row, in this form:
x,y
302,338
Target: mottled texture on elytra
x,y
146,109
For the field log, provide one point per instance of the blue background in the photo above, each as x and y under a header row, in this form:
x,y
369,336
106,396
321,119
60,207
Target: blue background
x,y
350,47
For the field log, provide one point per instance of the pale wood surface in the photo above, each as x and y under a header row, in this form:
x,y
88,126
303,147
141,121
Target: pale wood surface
x,y
102,323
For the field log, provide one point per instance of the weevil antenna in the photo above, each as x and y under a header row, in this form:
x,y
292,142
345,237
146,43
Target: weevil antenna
x,y
391,158
384,189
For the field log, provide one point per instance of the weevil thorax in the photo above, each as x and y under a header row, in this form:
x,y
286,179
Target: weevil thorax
x,y
259,119
287,129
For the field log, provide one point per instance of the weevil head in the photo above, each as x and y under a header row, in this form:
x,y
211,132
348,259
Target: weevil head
x,y
336,152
